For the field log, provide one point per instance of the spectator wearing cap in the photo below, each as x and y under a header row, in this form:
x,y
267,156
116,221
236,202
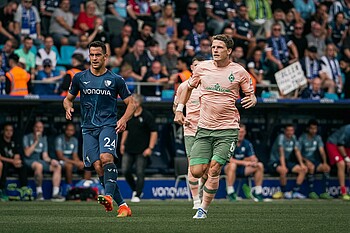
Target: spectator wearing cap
x,y
48,77
17,78
161,36
46,53
312,68
77,66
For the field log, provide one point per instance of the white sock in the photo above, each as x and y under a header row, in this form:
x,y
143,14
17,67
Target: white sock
x,y
258,189
230,189
39,190
124,204
55,191
196,198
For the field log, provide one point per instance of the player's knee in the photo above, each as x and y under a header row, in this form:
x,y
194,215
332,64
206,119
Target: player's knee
x,y
341,165
106,158
197,171
38,167
260,166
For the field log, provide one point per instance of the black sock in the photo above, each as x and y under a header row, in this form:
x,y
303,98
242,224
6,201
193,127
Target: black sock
x,y
311,179
283,188
296,188
325,181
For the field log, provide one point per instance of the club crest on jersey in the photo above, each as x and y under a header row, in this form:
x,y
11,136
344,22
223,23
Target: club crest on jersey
x,y
108,83
231,77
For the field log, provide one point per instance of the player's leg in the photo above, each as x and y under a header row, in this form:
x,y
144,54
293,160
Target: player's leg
x,y
301,173
56,179
230,172
193,182
311,178
38,177
141,162
68,170
258,172
283,181
324,169
2,182
127,163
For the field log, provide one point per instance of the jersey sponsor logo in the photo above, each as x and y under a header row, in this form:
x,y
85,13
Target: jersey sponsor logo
x,y
108,83
218,88
86,82
92,91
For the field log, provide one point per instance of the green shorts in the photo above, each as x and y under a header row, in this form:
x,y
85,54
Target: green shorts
x,y
189,140
213,145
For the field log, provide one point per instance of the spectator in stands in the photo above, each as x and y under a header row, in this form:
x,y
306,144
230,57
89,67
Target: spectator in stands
x,y
258,14
169,59
46,53
99,34
219,13
76,7
86,19
2,79
281,162
243,33
193,39
228,30
10,158
161,36
289,23
49,78
9,47
244,163
330,65
345,68
299,39
7,27
140,10
306,8
312,68
152,53
82,47
27,55
338,150
145,34
61,26
320,17
117,8
204,49
158,7
137,60
278,16
155,76
311,148
27,21
277,51
317,38
168,17
337,30
136,146
121,44
77,66
284,5
339,6
66,147
47,7
346,46
37,158
314,92
17,78
188,20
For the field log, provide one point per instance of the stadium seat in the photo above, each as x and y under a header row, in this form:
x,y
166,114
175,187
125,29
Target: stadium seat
x,y
331,96
1,46
66,54
114,25
181,169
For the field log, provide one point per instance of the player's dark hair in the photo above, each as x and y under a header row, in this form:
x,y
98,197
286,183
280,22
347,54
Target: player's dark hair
x,y
312,122
98,44
226,39
198,58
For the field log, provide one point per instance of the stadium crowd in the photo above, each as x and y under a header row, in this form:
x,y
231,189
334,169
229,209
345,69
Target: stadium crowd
x,y
154,41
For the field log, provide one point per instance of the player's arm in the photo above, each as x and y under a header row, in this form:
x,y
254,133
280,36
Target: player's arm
x,y
249,100
239,162
343,153
184,97
122,141
323,154
299,156
68,105
152,143
129,112
282,156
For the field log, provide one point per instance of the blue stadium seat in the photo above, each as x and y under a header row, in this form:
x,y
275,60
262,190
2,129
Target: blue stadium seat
x,y
1,46
331,96
61,68
66,54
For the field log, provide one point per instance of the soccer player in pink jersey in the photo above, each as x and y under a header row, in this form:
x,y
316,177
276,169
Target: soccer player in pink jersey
x,y
190,129
219,82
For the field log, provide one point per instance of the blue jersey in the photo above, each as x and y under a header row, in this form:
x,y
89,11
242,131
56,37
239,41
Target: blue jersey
x,y
341,137
288,146
98,97
244,150
67,147
310,146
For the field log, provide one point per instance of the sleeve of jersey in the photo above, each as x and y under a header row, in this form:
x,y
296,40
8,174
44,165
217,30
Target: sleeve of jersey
x,y
251,151
122,89
178,92
74,86
58,144
246,83
319,141
45,148
194,80
75,146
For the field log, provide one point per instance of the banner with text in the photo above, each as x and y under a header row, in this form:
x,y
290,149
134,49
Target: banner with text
x,y
290,78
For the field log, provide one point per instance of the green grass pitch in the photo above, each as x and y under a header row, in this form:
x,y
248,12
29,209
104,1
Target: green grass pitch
x,y
176,216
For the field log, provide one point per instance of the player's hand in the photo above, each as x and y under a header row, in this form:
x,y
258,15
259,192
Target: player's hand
x,y
179,118
17,163
248,101
303,167
69,112
54,163
147,152
121,125
326,167
284,169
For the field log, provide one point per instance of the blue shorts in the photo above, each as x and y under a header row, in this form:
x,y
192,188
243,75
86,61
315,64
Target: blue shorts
x,y
240,171
96,142
272,167
29,162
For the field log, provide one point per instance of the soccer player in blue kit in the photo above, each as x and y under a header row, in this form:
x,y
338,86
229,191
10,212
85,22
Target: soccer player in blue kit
x,y
99,89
